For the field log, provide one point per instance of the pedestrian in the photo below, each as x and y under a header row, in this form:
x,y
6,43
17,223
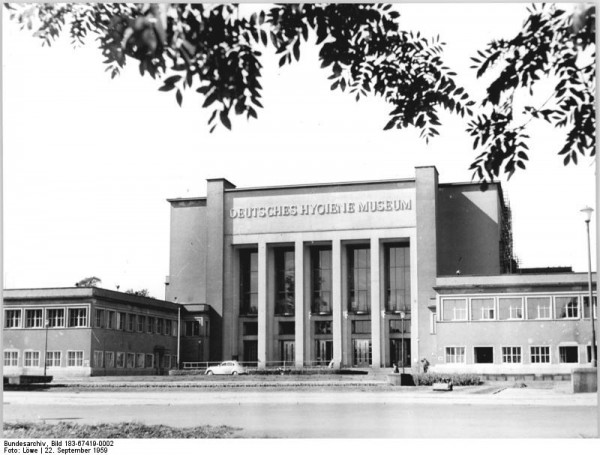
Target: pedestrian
x,y
396,370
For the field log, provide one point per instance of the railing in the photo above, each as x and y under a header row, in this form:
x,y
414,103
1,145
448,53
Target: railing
x,y
271,365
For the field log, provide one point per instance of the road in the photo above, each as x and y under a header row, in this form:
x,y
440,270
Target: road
x,y
317,414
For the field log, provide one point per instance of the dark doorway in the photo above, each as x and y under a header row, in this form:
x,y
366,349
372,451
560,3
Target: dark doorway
x,y
484,355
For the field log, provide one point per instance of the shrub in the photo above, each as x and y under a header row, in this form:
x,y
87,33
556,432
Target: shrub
x,y
456,378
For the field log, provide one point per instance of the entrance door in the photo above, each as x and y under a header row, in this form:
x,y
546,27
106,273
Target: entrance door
x,y
362,353
287,352
400,351
324,353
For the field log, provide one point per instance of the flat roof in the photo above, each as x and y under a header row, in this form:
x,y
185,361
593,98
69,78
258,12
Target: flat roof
x,y
74,293
532,280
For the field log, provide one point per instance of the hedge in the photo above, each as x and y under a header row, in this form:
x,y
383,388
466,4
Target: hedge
x,y
456,378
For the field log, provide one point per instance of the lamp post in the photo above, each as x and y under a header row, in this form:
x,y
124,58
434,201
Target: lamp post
x,y
587,211
46,324
402,316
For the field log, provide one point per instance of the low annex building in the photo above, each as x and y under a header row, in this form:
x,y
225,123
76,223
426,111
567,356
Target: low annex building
x,y
92,331
364,274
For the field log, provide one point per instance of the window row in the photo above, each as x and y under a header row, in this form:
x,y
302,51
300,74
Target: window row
x,y
515,354
32,318
102,359
130,322
196,328
358,280
516,308
33,358
131,360
325,327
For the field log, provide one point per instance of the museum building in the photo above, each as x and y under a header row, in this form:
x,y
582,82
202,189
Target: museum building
x,y
368,274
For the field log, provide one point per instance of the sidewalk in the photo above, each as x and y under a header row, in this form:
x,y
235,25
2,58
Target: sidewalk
x,y
358,389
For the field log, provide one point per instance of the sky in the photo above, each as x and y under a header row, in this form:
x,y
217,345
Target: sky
x,y
89,162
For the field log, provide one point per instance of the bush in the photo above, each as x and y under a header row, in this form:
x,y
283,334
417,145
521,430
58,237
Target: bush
x,y
456,378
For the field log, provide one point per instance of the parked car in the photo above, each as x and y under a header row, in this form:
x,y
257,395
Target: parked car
x,y
229,367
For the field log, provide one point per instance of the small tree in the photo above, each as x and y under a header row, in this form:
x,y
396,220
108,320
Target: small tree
x,y
141,292
89,282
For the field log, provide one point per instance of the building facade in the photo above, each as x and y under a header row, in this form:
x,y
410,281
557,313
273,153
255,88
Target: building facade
x,y
87,331
356,274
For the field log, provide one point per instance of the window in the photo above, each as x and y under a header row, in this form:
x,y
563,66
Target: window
x,y
396,326
566,307
361,326
510,308
455,354
160,326
589,353
53,358
586,307
139,361
33,318
151,325
511,354
131,322
287,328
121,320
192,329
484,355
77,317
111,320
323,327
539,308
321,280
454,309
74,358
31,359
168,329
174,328
56,317
249,282
141,323
432,323
99,359
359,279
250,328
540,354
130,360
120,360
100,318
12,319
397,278
149,360
568,354
482,309
109,359
284,281
11,358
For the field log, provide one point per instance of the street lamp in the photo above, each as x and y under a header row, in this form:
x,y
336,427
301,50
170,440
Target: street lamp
x,y
587,212
46,324
402,316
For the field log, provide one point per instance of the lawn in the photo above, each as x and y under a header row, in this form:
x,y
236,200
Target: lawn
x,y
133,430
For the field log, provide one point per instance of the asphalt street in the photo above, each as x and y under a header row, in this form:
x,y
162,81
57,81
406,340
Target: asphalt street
x,y
322,414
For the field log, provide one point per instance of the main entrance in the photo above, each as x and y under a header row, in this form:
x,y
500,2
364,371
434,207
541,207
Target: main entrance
x,y
400,351
362,353
287,351
324,351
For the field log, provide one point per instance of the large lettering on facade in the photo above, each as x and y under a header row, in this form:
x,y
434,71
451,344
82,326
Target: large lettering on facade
x,y
322,211
330,208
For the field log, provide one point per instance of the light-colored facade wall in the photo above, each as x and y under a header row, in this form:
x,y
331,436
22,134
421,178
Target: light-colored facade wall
x,y
468,226
188,251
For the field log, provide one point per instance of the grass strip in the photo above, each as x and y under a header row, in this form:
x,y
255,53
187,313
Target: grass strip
x,y
131,430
